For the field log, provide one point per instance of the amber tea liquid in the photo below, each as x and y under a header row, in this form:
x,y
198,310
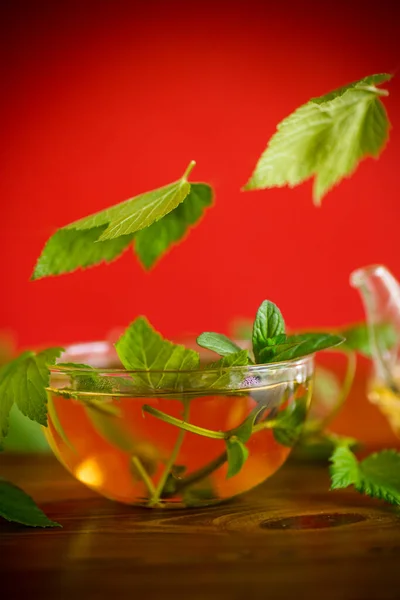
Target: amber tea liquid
x,y
99,440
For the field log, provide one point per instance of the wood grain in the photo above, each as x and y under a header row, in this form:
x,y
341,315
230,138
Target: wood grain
x,y
290,537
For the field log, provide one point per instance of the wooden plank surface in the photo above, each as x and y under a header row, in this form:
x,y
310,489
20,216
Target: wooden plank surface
x,y
289,538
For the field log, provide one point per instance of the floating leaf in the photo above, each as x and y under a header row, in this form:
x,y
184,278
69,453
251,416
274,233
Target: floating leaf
x,y
326,138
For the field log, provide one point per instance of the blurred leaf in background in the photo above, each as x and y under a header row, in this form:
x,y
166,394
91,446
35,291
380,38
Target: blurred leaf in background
x,y
24,435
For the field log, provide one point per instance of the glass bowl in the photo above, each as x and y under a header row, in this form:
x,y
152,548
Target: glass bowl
x,y
195,438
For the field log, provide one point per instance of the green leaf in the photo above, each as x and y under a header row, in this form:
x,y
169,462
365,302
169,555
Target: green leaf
x,y
304,344
86,379
151,243
111,428
143,349
103,236
273,353
138,212
268,324
289,422
18,507
199,494
217,342
318,446
70,249
357,337
377,476
244,430
221,375
55,421
23,381
24,435
237,454
326,138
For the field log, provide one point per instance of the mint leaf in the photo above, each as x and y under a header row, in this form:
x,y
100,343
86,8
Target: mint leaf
x,y
244,430
326,138
143,349
377,476
24,381
70,249
217,342
151,243
18,507
237,454
273,353
268,324
288,423
103,236
304,344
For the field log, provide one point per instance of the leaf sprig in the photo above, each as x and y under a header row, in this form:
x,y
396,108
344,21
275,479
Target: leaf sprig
x,y
269,340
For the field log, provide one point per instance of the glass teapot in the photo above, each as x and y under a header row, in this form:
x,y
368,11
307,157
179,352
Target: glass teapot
x,y
380,293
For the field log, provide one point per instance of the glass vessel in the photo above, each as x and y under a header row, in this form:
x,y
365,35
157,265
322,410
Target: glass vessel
x,y
380,293
178,439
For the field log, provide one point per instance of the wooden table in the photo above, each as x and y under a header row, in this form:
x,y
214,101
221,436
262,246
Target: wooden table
x,y
290,538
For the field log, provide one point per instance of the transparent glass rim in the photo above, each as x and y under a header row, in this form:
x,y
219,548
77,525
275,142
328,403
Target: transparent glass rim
x,y
250,369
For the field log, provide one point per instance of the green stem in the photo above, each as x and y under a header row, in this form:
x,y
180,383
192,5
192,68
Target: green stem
x,y
265,425
155,498
188,170
374,90
144,475
182,424
198,475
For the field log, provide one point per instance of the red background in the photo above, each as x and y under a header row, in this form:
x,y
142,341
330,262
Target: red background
x,y
104,100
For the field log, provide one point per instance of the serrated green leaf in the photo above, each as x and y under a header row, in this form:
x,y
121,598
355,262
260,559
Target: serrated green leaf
x,y
377,476
103,236
288,424
23,381
220,375
326,138
85,378
16,506
268,324
71,249
136,213
143,349
151,243
217,342
237,454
